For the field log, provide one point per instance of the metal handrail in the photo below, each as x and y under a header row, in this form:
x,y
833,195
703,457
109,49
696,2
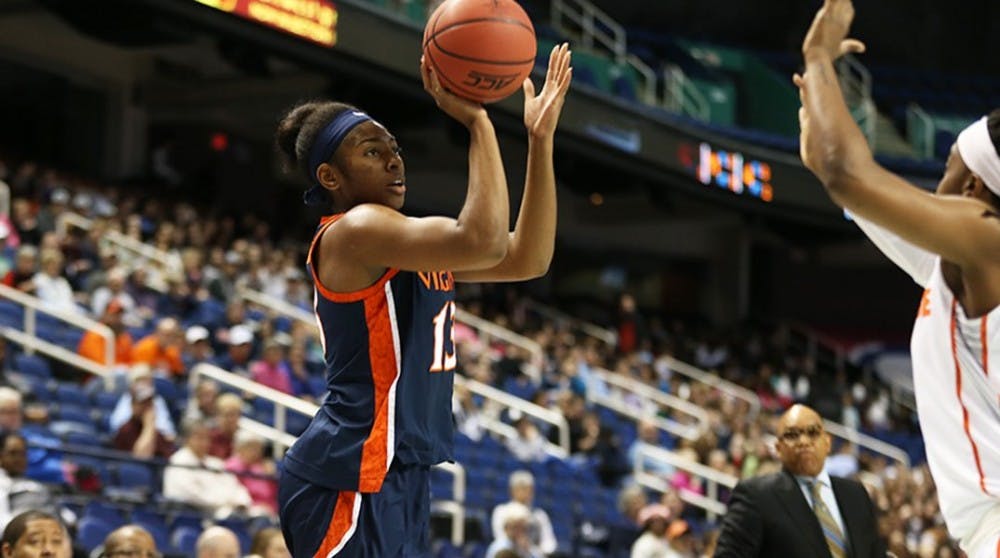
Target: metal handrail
x,y
648,92
168,260
33,343
713,380
282,440
712,478
856,83
660,398
591,330
866,441
561,450
679,91
586,16
915,112
4,199
32,305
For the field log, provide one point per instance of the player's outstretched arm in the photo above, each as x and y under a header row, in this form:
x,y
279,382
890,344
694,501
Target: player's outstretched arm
x,y
833,147
530,246
379,236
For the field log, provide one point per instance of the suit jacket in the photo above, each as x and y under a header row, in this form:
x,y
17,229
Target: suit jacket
x,y
769,516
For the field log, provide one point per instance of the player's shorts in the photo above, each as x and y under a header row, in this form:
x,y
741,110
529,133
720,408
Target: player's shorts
x,y
394,522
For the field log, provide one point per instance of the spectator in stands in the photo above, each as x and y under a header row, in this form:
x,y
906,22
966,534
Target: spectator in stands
x,y
652,543
113,290
631,326
35,534
161,350
682,540
603,443
573,408
139,434
223,285
18,493
201,407
228,410
22,276
269,543
45,463
108,260
828,512
201,479
271,370
130,541
25,222
648,433
528,444
92,344
515,533
50,286
522,492
237,357
198,348
217,542
468,416
141,380
301,374
251,466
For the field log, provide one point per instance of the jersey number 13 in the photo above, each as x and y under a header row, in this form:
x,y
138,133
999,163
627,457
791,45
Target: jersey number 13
x,y
444,324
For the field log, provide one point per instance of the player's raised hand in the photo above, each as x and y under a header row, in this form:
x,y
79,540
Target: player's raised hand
x,y
541,112
454,106
828,32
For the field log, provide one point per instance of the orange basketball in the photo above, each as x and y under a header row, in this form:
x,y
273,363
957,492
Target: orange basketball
x,y
480,49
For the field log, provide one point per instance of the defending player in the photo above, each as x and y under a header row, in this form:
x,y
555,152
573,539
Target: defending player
x,y
356,483
950,244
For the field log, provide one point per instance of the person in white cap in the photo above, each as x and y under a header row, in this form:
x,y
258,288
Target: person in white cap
x,y
653,543
949,242
516,533
237,357
198,347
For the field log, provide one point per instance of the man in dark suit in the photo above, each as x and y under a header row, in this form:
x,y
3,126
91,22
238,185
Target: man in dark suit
x,y
801,511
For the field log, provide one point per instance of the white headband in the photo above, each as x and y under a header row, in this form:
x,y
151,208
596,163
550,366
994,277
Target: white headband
x,y
979,154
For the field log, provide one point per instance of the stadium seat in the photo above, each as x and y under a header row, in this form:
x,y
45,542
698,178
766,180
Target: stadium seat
x,y
105,512
133,475
106,400
33,365
157,529
183,540
74,413
166,389
70,393
91,532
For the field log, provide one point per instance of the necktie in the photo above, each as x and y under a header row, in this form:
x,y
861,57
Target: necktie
x,y
834,537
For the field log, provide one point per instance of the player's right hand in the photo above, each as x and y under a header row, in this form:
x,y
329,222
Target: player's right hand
x,y
454,106
828,32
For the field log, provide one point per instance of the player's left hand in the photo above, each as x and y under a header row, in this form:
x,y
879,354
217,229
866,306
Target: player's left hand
x,y
828,32
541,112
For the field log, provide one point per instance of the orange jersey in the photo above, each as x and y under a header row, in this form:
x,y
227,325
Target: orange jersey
x,y
149,351
92,347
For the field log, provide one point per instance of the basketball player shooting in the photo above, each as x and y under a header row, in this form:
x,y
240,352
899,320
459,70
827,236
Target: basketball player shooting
x,y
949,242
357,481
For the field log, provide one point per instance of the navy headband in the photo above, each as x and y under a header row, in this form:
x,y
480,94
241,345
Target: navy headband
x,y
325,145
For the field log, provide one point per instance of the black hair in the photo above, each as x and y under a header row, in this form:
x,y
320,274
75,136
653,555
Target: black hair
x,y
298,130
17,526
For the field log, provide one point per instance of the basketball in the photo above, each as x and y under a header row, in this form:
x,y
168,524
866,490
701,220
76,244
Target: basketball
x,y
480,49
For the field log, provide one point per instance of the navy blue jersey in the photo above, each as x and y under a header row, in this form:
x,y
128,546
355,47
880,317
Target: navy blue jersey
x,y
390,354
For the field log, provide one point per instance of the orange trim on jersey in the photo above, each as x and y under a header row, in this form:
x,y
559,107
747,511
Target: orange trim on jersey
x,y
352,296
382,356
340,524
983,338
958,393
998,548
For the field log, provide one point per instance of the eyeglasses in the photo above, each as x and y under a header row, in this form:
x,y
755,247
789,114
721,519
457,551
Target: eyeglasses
x,y
132,553
793,434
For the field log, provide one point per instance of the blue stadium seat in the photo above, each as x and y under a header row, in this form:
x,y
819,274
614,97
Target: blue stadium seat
x,y
91,532
183,540
106,400
104,512
158,530
32,365
134,475
166,389
74,413
70,393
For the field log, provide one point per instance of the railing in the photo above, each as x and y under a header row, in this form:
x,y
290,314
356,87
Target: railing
x,y
4,199
168,261
710,502
682,96
689,431
856,84
506,400
713,380
920,130
866,441
29,337
595,331
282,440
599,31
